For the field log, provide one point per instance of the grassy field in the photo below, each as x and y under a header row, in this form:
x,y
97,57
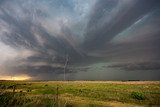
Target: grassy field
x,y
79,93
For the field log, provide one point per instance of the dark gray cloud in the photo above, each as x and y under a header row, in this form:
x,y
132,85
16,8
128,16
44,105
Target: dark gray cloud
x,y
105,23
36,36
137,66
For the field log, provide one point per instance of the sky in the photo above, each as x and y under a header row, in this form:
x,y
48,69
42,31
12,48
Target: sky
x,y
102,39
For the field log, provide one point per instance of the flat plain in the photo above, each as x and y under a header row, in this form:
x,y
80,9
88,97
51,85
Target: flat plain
x,y
79,93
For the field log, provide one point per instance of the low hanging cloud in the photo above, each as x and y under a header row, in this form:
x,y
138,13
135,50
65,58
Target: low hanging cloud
x,y
137,66
36,36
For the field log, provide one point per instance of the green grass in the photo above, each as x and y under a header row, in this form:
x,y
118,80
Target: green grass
x,y
138,95
32,94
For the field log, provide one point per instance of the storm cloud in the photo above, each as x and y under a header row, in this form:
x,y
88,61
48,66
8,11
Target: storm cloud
x,y
36,36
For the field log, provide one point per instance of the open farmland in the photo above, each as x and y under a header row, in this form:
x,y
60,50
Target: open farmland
x,y
79,93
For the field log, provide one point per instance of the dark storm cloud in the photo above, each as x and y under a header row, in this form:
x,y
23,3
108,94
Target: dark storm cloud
x,y
140,41
36,36
24,34
105,23
137,66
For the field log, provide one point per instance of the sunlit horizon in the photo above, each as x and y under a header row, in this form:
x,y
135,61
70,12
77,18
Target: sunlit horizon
x,y
16,78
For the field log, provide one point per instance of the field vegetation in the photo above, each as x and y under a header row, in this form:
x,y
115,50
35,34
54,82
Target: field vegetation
x,y
79,93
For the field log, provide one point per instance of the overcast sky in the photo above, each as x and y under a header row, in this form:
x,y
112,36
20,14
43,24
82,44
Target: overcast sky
x,y
104,39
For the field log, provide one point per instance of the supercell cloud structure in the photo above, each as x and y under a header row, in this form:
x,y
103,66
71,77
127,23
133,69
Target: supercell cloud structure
x,y
104,39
